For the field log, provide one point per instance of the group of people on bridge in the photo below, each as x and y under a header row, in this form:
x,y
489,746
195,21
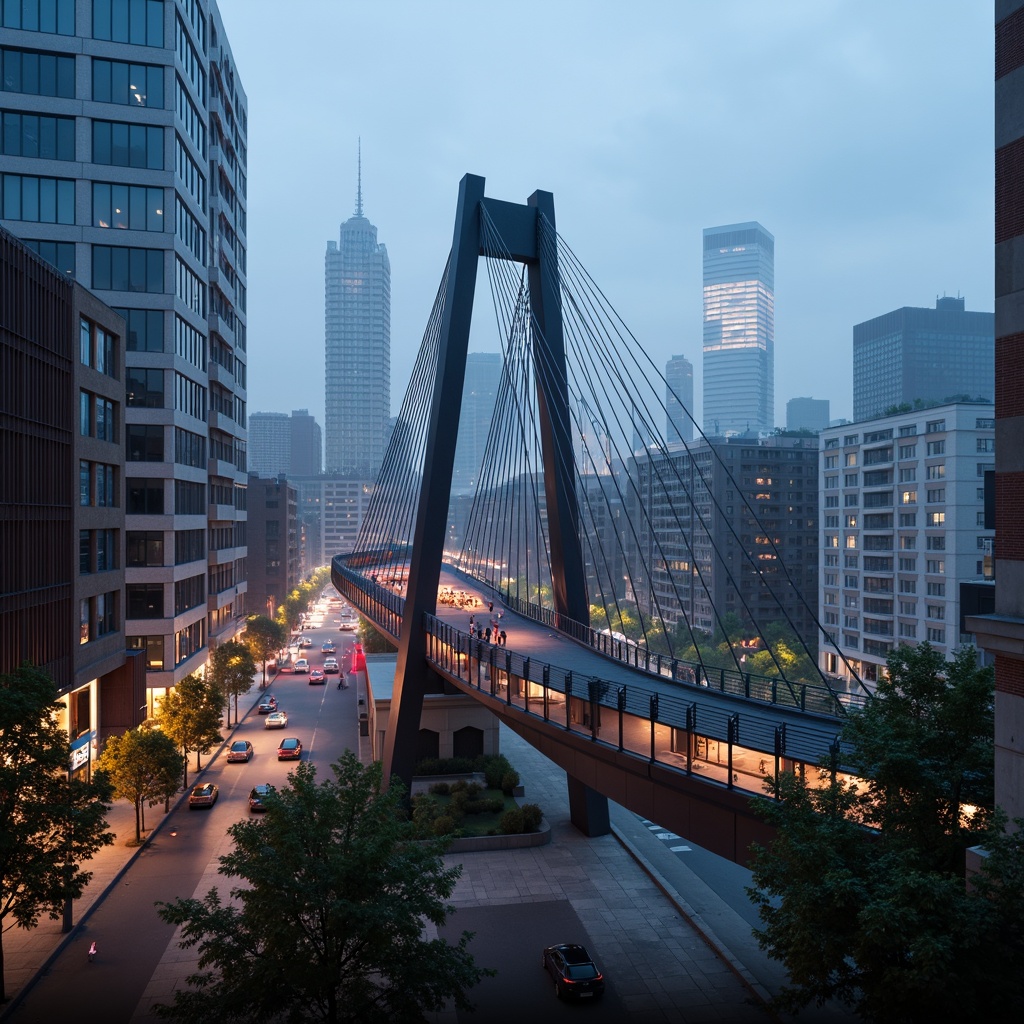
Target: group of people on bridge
x,y
492,631
457,598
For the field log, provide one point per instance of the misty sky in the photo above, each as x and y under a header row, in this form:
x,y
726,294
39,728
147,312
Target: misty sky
x,y
858,132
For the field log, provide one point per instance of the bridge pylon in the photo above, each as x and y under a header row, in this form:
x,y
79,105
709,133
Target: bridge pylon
x,y
528,236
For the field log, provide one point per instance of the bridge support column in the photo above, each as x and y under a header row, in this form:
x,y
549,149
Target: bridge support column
x,y
588,809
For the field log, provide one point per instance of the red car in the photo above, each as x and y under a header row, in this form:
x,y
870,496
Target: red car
x,y
289,749
316,677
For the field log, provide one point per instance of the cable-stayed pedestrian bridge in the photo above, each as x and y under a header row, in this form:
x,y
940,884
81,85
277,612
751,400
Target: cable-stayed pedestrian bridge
x,y
656,667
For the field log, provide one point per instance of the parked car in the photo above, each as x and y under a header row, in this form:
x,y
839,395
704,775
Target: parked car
x,y
203,795
302,665
240,750
331,666
267,705
304,641
285,663
276,720
327,647
316,676
257,795
574,972
289,749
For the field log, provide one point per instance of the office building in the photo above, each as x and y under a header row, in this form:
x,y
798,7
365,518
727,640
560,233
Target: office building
x,y
1002,634
357,342
124,166
914,356
902,525
62,546
739,330
331,510
274,543
479,393
807,414
679,399
754,503
278,444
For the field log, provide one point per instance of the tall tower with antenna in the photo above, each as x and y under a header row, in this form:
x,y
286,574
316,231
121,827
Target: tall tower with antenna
x,y
357,346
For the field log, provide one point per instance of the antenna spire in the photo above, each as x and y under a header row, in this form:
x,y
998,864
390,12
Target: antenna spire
x,y
359,179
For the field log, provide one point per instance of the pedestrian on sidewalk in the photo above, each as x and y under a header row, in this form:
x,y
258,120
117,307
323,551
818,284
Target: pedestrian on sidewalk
x,y
504,637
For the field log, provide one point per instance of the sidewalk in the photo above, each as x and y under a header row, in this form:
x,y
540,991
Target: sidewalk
x,y
27,953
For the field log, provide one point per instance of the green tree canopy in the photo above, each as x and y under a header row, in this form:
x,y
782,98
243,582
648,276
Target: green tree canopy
x,y
190,715
48,822
143,766
231,669
264,637
326,921
372,639
862,895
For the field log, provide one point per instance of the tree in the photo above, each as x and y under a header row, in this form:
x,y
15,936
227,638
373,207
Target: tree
x,y
862,894
372,639
190,715
143,766
264,637
326,922
49,822
231,669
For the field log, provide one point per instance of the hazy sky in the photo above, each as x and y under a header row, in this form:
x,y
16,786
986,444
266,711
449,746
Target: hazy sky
x,y
858,132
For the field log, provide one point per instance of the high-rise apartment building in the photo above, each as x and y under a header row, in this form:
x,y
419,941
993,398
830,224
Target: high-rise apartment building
x,y
292,445
679,399
739,330
124,166
480,392
357,342
915,355
902,526
274,541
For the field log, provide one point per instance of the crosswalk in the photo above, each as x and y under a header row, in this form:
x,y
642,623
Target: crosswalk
x,y
668,837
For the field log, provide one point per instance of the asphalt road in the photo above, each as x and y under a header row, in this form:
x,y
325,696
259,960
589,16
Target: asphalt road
x,y
131,938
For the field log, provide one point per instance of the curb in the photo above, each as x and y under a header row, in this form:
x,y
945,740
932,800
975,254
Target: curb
x,y
757,991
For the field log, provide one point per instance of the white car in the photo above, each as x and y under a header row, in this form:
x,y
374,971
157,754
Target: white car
x,y
302,665
331,666
276,720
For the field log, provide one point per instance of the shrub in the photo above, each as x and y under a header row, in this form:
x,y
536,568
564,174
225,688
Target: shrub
x,y
532,817
458,787
474,789
445,825
440,788
509,781
494,770
488,805
512,822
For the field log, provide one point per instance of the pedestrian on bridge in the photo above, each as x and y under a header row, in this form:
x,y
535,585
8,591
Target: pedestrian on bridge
x,y
487,634
504,636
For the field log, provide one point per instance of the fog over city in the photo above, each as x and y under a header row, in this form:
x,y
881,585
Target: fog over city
x,y
859,134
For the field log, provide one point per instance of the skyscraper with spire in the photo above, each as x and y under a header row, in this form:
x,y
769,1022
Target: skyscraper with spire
x,y
357,346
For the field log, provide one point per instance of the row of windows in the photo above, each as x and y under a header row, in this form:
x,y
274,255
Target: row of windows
x,y
139,22
37,74
190,288
189,173
189,344
190,231
97,617
190,117
39,200
97,484
127,207
127,269
133,85
97,551
190,60
127,145
189,448
54,16
146,547
189,397
33,135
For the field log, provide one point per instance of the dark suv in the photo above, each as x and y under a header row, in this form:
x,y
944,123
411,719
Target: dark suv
x,y
257,795
574,972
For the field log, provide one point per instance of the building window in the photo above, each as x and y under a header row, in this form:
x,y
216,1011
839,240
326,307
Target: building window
x,y
850,459
139,22
849,479
935,472
154,648
40,200
37,74
936,566
908,586
909,497
935,611
145,329
145,548
31,135
908,630
982,467
84,552
934,426
908,451
986,444
134,85
851,522
936,636
127,207
908,607
128,145
936,543
935,518
145,600
121,268
144,388
908,565
908,519
908,543
144,442
145,496
937,447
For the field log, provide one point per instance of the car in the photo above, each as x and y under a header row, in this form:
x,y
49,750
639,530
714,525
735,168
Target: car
x,y
348,626
574,972
203,795
285,664
331,666
240,750
289,749
327,647
304,641
316,676
302,665
257,795
267,705
276,720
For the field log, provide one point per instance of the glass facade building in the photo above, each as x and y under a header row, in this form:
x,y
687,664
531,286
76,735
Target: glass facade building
x,y
357,343
739,330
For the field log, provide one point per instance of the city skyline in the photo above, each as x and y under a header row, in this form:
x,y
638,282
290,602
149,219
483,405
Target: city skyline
x,y
861,136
